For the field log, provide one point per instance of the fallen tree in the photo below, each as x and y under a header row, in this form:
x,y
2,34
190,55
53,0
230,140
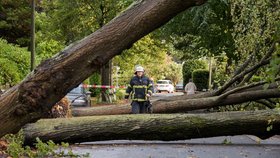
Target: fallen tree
x,y
154,126
174,106
52,79
231,93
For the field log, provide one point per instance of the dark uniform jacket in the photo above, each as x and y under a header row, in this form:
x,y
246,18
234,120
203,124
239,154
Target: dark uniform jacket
x,y
138,88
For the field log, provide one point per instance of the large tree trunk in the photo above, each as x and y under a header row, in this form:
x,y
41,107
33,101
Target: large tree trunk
x,y
174,106
52,79
154,127
106,78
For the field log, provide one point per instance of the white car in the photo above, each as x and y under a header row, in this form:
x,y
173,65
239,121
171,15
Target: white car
x,y
164,85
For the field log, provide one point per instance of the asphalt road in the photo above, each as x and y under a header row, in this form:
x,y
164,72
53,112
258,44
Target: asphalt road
x,y
243,146
163,95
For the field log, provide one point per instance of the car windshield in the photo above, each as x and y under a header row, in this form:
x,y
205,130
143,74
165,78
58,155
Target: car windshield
x,y
162,82
76,90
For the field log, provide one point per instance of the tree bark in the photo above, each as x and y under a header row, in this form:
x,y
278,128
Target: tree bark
x,y
53,78
106,78
154,127
174,106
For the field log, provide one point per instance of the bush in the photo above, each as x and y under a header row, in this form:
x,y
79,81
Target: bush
x,y
9,74
120,93
188,68
14,63
200,78
47,49
95,79
16,148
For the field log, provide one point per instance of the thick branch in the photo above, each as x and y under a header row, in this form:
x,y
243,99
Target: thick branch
x,y
244,65
183,105
247,78
241,75
255,84
265,103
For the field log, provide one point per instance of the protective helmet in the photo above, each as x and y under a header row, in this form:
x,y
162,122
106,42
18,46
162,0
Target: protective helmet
x,y
139,68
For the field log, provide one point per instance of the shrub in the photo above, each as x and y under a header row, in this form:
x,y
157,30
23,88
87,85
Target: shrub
x,y
95,79
188,68
46,49
200,78
14,63
16,148
120,93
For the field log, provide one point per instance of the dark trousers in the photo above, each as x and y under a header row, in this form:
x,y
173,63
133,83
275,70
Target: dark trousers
x,y
141,107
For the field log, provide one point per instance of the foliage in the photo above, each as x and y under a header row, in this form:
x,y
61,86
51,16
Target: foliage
x,y
14,63
256,27
120,93
234,28
189,66
46,48
151,53
220,71
274,68
48,149
226,142
202,31
205,31
63,22
71,21
15,20
173,72
249,106
95,79
200,78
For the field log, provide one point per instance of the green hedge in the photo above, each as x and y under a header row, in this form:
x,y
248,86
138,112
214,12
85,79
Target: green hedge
x,y
200,78
95,79
188,68
14,63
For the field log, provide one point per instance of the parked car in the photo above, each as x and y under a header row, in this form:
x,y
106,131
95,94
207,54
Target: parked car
x,y
79,97
164,85
179,86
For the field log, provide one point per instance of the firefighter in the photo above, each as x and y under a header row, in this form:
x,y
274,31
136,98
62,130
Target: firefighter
x,y
140,90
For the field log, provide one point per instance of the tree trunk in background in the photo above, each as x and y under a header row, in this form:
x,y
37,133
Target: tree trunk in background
x,y
154,127
54,78
106,78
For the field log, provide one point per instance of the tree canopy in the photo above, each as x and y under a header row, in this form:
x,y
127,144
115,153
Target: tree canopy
x,y
15,21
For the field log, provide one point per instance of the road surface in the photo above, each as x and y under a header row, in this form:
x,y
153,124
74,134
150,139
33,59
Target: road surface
x,y
244,146
158,96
